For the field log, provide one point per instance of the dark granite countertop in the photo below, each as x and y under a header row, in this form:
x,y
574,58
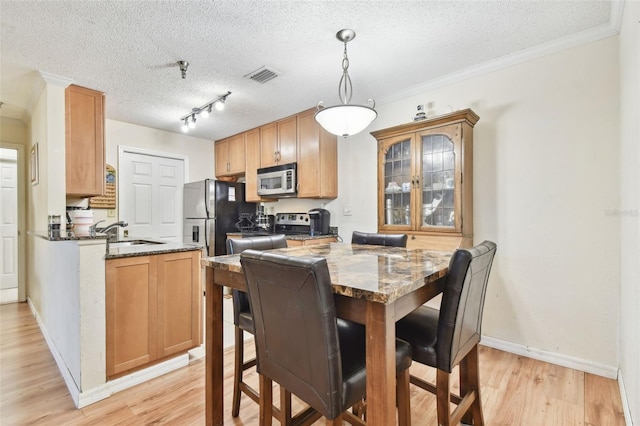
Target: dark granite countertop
x,y
297,237
377,273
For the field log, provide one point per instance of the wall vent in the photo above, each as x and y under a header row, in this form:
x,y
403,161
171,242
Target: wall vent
x,y
262,75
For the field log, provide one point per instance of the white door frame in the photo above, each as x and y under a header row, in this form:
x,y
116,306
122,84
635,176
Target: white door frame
x,y
22,256
122,149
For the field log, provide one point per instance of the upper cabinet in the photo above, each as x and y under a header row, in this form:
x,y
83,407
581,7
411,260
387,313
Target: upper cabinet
x,y
298,138
84,148
230,156
317,159
278,142
425,180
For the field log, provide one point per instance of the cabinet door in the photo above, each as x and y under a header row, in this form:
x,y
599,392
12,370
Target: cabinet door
x,y
131,312
439,194
398,183
179,302
287,135
236,156
230,156
268,145
317,159
222,157
84,147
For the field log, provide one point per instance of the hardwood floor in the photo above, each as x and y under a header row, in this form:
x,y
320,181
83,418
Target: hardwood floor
x,y
515,390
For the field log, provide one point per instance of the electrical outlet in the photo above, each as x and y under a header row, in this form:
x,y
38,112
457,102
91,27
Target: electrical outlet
x,y
346,211
111,213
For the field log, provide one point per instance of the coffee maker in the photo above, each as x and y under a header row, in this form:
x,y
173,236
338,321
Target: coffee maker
x,y
319,221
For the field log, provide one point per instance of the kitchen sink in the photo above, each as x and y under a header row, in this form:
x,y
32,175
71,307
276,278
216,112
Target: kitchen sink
x,y
133,243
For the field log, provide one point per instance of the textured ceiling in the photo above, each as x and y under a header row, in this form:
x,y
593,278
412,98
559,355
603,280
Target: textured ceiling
x,y
129,50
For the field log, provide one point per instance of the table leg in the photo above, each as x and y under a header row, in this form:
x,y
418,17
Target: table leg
x,y
381,365
214,354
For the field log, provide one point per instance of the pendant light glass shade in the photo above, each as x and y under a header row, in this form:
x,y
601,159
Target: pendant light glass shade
x,y
345,120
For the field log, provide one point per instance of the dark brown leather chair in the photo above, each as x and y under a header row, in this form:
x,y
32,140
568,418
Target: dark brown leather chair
x,y
303,346
393,240
450,336
243,321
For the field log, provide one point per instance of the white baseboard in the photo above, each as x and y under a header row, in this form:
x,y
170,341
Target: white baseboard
x,y
625,402
98,393
551,357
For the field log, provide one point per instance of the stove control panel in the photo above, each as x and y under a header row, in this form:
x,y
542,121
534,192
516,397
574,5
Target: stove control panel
x,y
292,219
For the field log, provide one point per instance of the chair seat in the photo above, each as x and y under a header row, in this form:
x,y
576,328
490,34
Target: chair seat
x,y
420,329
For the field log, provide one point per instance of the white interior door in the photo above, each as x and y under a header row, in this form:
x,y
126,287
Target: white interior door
x,y
8,220
150,195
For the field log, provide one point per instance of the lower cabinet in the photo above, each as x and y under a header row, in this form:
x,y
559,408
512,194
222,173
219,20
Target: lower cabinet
x,y
294,243
153,309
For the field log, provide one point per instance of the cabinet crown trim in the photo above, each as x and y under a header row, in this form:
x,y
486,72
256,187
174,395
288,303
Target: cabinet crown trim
x,y
464,115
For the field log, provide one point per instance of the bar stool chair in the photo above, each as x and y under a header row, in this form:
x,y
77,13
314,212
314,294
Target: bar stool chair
x,y
393,240
303,346
243,321
450,336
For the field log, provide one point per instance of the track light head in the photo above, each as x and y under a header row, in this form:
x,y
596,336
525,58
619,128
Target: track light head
x,y
192,123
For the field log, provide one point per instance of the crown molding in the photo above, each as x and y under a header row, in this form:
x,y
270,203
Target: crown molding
x,y
38,87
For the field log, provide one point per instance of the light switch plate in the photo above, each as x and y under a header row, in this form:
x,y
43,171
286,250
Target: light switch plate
x,y
346,211
111,213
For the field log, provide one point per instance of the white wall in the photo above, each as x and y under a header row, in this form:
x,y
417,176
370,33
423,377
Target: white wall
x,y
199,152
630,207
545,178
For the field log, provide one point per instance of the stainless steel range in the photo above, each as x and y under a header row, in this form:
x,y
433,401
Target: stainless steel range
x,y
293,224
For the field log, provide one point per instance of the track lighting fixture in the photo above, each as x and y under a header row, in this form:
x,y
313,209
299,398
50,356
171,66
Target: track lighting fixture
x,y
189,120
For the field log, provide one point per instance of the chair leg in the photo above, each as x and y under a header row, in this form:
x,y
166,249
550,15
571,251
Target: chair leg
x,y
335,422
285,407
443,390
237,371
470,382
266,400
403,398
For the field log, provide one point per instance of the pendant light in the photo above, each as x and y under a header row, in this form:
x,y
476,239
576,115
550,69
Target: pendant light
x,y
345,119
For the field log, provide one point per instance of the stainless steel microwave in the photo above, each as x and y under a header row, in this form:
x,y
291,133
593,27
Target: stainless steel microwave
x,y
278,181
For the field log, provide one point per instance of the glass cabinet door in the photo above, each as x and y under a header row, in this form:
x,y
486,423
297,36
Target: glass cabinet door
x,y
438,190
398,182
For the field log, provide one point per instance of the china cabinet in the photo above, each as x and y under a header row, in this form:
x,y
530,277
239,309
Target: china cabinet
x,y
84,145
425,180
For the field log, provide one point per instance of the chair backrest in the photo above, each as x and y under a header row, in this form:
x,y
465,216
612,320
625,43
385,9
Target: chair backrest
x,y
460,321
263,242
393,240
238,245
295,326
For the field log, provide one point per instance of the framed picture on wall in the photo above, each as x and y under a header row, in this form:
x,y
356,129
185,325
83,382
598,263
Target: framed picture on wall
x,y
34,165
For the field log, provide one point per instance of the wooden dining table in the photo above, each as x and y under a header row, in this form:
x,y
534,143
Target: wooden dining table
x,y
373,285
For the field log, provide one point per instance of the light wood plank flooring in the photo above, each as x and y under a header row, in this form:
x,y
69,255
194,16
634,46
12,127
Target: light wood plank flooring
x,y
515,390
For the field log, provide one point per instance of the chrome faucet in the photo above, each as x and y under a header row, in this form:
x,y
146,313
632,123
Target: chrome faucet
x,y
92,228
108,228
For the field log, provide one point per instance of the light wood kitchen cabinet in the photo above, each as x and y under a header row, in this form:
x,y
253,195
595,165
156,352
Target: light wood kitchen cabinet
x,y
317,159
84,146
425,180
328,239
278,142
230,156
153,309
252,161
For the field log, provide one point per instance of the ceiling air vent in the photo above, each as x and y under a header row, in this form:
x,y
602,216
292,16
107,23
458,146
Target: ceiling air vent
x,y
262,75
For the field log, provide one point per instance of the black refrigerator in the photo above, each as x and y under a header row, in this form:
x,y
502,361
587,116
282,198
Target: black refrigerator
x,y
212,208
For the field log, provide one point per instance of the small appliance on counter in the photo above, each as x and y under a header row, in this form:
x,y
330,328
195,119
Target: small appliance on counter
x,y
319,221
264,222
